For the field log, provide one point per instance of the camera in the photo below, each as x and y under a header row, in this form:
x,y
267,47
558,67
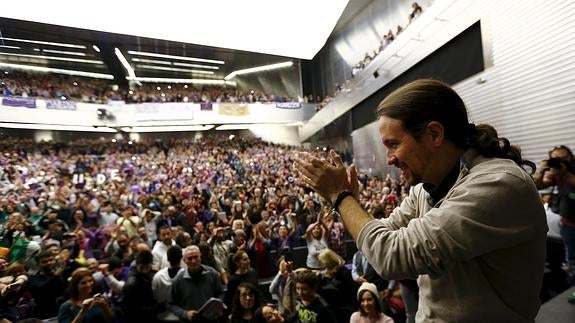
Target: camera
x,y
557,163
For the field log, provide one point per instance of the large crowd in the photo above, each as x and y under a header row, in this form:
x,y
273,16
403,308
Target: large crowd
x,y
384,41
100,211
89,90
93,231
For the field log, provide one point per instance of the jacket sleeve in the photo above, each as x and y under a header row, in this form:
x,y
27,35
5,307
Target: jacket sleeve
x,y
480,215
114,284
274,286
406,211
174,304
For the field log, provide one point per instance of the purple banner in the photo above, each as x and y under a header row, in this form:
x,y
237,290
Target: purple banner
x,y
15,101
206,106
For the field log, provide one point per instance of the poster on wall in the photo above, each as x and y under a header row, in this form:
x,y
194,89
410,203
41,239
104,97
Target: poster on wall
x,y
60,105
206,106
234,109
15,101
163,111
288,105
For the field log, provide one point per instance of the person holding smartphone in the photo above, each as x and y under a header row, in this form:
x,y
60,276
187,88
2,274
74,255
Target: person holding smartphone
x,y
83,307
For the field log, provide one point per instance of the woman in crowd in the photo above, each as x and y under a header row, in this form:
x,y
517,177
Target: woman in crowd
x,y
246,301
82,305
268,314
370,306
243,274
259,248
13,292
337,286
317,240
208,259
282,286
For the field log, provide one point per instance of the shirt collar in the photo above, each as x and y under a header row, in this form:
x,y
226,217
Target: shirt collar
x,y
437,192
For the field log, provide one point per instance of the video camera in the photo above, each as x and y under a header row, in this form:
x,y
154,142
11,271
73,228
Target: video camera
x,y
558,163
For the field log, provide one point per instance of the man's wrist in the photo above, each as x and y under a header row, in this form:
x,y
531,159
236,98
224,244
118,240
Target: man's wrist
x,y
335,203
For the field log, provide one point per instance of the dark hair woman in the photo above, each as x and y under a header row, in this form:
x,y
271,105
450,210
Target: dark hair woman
x,y
82,305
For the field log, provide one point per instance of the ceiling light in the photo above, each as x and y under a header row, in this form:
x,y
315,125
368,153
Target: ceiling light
x,y
173,80
183,58
78,60
151,61
173,69
63,52
9,47
58,71
96,48
125,63
197,66
36,49
168,128
43,42
41,126
258,69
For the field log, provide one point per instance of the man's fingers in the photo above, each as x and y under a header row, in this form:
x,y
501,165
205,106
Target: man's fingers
x,y
353,181
305,170
336,158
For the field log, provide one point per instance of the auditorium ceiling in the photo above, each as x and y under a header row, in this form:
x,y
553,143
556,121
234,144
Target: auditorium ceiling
x,y
92,51
28,43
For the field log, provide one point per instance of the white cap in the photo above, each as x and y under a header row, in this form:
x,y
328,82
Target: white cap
x,y
370,287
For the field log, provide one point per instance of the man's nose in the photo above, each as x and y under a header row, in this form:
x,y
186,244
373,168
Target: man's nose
x,y
391,160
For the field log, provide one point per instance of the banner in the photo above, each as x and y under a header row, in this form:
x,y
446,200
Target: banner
x,y
15,101
60,105
288,105
206,106
166,111
233,109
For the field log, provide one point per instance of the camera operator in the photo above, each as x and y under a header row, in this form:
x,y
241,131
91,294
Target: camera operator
x,y
559,171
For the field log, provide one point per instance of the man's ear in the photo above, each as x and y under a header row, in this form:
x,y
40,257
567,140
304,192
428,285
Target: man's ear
x,y
435,133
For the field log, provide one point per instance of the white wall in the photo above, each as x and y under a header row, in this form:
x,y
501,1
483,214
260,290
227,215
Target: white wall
x,y
529,90
529,93
153,114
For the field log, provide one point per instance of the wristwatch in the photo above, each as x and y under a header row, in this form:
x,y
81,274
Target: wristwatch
x,y
340,197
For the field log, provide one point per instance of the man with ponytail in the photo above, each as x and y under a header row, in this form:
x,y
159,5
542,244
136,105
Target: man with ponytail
x,y
472,230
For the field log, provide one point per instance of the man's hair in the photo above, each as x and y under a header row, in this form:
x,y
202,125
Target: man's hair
x,y
114,263
144,257
192,247
420,102
162,227
174,254
307,277
44,254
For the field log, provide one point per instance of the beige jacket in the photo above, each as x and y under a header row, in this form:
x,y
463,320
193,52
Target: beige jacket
x,y
478,254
